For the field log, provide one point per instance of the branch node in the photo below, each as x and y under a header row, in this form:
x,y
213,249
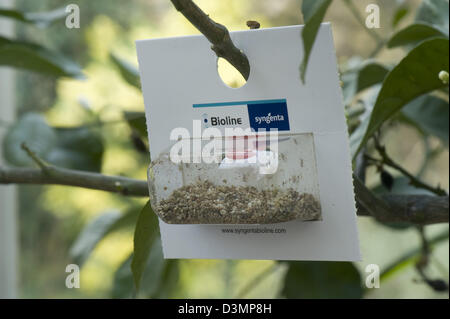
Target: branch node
x,y
216,33
253,25
40,162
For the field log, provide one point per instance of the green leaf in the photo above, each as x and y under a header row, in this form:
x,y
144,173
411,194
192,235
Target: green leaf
x,y
169,280
128,71
362,77
434,12
414,34
97,230
368,99
322,280
78,148
411,256
313,13
401,186
136,120
123,286
41,19
144,235
158,280
414,76
33,130
35,58
91,235
399,15
430,115
152,277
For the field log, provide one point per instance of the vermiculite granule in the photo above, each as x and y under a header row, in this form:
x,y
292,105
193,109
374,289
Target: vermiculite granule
x,y
206,203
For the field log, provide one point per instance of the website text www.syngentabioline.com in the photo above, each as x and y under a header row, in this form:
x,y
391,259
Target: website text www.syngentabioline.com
x,y
245,231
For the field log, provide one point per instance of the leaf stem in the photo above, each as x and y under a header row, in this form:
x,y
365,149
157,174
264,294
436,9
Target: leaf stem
x,y
40,162
386,160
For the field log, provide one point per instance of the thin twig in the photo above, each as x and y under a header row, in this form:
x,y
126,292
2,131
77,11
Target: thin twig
x,y
423,262
414,181
40,162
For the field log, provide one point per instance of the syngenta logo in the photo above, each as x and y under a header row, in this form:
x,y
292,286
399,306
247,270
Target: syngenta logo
x,y
269,118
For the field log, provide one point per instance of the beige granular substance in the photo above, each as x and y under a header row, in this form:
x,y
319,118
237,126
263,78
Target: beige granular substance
x,y
206,203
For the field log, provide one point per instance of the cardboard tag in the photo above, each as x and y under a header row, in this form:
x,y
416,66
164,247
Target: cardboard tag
x,y
180,84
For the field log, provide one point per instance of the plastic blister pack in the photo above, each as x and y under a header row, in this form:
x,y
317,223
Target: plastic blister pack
x,y
239,180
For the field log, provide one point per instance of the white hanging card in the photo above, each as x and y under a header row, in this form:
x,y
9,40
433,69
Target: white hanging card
x,y
182,88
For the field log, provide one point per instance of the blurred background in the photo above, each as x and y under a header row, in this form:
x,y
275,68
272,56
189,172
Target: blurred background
x,y
50,218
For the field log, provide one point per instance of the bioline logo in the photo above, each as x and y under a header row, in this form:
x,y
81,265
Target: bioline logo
x,y
208,121
228,120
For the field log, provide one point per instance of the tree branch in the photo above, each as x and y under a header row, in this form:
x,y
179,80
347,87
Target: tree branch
x,y
415,209
61,176
216,33
391,208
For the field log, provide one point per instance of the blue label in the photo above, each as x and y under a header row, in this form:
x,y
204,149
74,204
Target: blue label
x,y
262,115
269,116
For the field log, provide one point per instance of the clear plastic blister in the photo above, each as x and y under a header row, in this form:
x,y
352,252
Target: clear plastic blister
x,y
240,180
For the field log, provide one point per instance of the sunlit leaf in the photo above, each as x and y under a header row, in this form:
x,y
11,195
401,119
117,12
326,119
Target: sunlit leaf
x,y
129,72
41,19
313,13
324,280
144,236
414,76
399,15
91,235
413,34
97,230
35,58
